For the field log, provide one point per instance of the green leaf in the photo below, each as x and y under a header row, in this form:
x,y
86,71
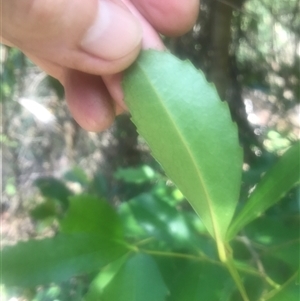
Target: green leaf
x,y
158,219
271,232
54,189
163,221
77,175
288,253
139,279
131,227
45,214
273,186
279,244
202,281
189,131
56,259
89,214
290,291
99,186
104,278
44,210
56,86
135,175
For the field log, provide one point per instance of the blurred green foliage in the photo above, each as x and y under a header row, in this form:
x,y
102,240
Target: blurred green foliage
x,y
14,62
151,247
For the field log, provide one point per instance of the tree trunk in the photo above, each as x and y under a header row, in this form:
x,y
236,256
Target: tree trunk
x,y
220,38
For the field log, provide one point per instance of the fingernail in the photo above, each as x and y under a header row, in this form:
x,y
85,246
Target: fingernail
x,y
114,33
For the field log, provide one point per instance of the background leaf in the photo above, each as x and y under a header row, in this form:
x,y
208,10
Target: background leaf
x,y
77,175
288,292
189,131
54,189
106,275
139,279
278,245
274,184
91,214
202,281
44,210
56,259
135,175
164,222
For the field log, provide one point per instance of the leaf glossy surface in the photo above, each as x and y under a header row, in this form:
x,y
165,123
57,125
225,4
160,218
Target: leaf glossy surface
x,y
189,131
56,259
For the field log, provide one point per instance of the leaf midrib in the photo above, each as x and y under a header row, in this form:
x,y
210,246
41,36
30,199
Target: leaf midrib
x,y
200,177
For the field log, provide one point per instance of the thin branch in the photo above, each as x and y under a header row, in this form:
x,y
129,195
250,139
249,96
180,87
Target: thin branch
x,y
201,257
274,292
248,244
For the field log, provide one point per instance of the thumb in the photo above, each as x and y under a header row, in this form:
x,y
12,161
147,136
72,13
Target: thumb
x,y
114,32
95,36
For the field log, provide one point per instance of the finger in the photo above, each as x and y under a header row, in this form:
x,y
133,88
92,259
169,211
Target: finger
x,y
95,36
50,68
113,84
112,81
169,17
151,40
119,110
88,100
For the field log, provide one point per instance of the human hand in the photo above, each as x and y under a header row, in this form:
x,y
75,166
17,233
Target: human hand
x,y
86,44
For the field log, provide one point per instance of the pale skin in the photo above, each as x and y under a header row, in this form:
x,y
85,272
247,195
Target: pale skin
x,y
87,44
